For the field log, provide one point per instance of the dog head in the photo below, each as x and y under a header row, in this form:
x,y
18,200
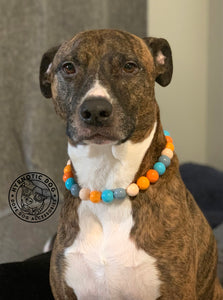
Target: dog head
x,y
102,84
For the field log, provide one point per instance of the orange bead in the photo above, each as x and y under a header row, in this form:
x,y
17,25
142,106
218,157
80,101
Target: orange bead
x,y
143,183
170,146
67,169
95,196
67,175
152,175
169,139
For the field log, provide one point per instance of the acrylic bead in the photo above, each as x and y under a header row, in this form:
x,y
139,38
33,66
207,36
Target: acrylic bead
x,y
84,194
167,152
143,183
67,169
107,196
165,160
119,193
169,139
67,175
160,168
95,196
152,175
69,182
170,146
75,190
132,190
166,133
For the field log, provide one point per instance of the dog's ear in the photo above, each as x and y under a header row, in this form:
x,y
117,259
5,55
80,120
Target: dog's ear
x,y
161,51
44,74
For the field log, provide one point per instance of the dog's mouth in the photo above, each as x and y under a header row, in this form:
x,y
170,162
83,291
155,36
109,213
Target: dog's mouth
x,y
86,136
99,139
115,133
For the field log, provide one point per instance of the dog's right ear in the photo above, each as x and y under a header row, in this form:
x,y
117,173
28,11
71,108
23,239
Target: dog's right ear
x,y
44,74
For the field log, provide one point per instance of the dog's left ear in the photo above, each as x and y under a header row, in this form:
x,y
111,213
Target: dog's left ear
x,y
162,55
44,74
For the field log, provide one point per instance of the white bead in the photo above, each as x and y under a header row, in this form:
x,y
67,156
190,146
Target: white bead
x,y
132,189
84,194
168,152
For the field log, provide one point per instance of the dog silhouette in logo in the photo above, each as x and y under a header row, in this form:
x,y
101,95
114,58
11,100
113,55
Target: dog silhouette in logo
x,y
33,198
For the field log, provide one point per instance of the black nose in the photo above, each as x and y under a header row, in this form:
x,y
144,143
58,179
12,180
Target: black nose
x,y
96,111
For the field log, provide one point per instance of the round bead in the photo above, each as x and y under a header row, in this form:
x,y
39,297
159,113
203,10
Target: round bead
x,y
67,169
84,194
165,160
95,196
160,168
67,175
170,146
132,190
152,175
143,183
107,196
169,139
75,190
166,133
69,182
69,162
167,152
119,193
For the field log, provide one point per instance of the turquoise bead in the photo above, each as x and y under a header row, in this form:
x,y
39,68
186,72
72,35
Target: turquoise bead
x,y
69,182
160,168
119,193
75,189
107,196
165,160
166,133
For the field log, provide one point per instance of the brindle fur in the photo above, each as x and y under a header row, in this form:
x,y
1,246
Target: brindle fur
x,y
168,224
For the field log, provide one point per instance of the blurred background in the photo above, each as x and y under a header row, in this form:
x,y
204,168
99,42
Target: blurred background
x,y
192,105
32,136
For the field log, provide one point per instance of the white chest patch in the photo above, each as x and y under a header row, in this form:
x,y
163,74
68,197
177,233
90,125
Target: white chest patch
x,y
103,263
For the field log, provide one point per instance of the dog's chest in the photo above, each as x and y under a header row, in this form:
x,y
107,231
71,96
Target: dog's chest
x,y
103,262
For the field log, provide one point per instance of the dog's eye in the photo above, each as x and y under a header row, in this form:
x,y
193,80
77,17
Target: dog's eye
x,y
130,67
69,68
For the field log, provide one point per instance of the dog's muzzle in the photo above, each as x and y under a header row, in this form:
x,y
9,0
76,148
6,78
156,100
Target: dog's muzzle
x,y
96,111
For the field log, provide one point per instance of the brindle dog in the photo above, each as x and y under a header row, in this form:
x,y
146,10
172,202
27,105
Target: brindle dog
x,y
157,244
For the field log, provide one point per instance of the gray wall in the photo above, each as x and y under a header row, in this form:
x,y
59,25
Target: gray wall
x,y
192,106
215,85
183,103
32,136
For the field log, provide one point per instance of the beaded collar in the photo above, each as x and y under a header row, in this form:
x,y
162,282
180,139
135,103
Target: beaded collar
x,y
132,190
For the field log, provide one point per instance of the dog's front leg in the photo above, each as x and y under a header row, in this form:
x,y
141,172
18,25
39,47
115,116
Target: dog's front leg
x,y
60,290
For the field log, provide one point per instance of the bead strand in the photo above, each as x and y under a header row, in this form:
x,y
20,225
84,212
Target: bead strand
x,y
133,189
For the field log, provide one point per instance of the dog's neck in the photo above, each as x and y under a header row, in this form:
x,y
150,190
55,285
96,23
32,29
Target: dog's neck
x,y
100,167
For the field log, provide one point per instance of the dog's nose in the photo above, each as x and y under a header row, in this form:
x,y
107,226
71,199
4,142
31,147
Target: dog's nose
x,y
95,111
